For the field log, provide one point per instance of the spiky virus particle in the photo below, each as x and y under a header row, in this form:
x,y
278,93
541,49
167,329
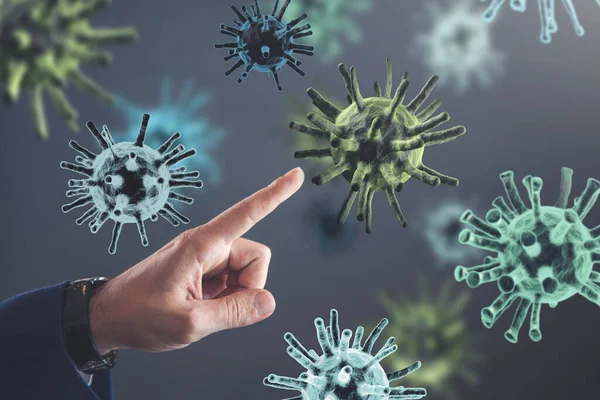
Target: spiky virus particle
x,y
435,330
546,10
459,46
129,182
331,237
344,372
545,254
334,24
179,112
265,43
377,143
43,47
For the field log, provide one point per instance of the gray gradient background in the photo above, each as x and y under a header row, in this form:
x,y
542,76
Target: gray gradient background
x,y
540,116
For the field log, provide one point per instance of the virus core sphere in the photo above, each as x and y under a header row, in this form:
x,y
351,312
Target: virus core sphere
x,y
344,372
129,182
264,43
458,46
547,15
377,143
42,47
545,254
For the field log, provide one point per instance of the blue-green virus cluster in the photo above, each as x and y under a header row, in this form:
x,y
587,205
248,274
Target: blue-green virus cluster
x,y
334,22
377,143
179,112
343,371
458,45
43,45
433,328
265,43
129,182
331,237
545,254
546,10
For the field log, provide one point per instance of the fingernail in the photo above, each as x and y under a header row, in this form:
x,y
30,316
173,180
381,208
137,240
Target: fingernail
x,y
263,303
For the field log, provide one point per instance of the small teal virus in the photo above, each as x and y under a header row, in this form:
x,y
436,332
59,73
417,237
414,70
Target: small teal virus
x,y
332,238
547,15
265,43
179,112
458,47
545,254
334,23
344,372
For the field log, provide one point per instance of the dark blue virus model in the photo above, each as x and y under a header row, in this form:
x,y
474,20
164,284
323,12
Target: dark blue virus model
x,y
332,238
129,182
264,43
178,112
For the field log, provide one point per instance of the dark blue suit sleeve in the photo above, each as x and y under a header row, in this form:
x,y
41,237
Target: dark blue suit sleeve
x,y
34,363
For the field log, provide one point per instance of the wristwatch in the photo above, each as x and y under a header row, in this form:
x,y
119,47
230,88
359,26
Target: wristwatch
x,y
76,327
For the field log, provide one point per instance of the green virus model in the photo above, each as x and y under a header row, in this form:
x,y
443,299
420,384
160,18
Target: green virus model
x,y
377,143
344,372
42,47
544,254
435,330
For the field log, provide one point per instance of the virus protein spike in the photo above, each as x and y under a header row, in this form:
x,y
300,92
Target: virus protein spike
x,y
344,371
128,183
377,143
545,254
265,43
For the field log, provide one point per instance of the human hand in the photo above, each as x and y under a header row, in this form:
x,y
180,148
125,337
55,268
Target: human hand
x,y
205,280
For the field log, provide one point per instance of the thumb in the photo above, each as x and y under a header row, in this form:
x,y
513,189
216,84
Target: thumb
x,y
239,309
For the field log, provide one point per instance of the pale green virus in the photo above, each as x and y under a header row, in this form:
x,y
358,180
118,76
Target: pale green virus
x,y
377,143
545,254
43,45
344,372
435,330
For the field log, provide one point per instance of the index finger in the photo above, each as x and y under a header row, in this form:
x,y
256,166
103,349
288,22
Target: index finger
x,y
241,217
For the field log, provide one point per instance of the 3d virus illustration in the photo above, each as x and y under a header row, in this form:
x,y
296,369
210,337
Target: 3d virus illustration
x,y
435,330
441,226
344,371
334,23
458,45
129,182
545,254
331,237
546,10
43,45
265,43
377,143
178,112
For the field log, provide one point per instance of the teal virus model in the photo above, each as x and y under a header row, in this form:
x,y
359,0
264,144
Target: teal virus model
x,y
546,10
459,46
129,182
265,43
178,112
377,143
545,254
344,372
433,328
43,45
334,23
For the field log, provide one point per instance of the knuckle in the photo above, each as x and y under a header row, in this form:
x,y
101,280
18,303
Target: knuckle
x,y
237,314
265,252
187,327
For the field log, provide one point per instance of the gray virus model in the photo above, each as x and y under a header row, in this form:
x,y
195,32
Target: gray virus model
x,y
129,182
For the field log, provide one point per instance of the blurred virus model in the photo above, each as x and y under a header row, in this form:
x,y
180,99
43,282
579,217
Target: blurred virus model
x,y
377,143
434,330
331,237
264,43
547,15
459,46
179,112
344,372
544,254
441,227
129,182
42,47
333,23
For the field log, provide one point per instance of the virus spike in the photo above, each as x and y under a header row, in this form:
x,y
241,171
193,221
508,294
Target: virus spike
x,y
101,141
168,208
388,79
282,10
139,141
112,248
566,181
588,198
418,101
75,168
92,212
168,217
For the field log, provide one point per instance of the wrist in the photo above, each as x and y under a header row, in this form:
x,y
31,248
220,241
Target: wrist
x,y
100,325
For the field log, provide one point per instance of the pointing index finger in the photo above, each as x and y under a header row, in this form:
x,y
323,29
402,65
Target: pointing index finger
x,y
241,217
